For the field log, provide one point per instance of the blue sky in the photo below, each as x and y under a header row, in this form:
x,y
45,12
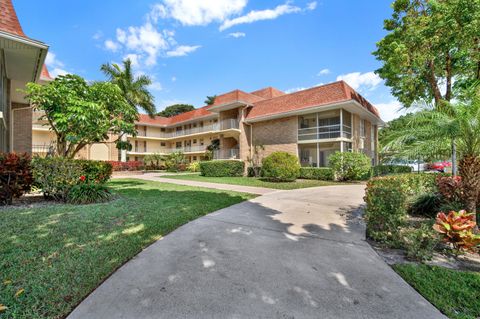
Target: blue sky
x,y
194,48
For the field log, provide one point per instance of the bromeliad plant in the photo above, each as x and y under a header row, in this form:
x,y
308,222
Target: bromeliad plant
x,y
457,229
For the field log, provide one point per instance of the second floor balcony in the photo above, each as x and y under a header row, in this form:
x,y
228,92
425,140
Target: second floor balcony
x,y
185,149
227,124
321,126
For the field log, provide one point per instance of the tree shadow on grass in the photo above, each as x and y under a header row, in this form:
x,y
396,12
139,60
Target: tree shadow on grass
x,y
60,253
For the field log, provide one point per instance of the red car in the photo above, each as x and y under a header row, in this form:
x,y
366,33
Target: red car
x,y
439,166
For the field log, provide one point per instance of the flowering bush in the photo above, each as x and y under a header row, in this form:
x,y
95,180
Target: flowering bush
x,y
15,176
457,229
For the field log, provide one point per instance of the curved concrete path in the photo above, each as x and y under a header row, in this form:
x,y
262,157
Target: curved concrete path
x,y
288,254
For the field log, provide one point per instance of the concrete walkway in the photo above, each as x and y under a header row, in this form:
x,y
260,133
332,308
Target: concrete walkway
x,y
287,254
237,188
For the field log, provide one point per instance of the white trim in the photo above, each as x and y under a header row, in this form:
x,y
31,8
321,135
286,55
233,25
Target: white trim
x,y
24,40
228,106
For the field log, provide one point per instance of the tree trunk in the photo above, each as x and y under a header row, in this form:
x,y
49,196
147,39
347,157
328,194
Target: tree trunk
x,y
470,172
454,158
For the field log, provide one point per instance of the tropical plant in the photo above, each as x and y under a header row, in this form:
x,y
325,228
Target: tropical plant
x,y
457,228
433,129
134,88
15,176
80,114
255,161
175,162
176,109
350,166
153,161
210,100
194,167
425,204
88,193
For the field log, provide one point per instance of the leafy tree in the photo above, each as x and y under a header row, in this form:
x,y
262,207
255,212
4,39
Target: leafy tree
x,y
134,88
433,129
176,109
210,100
80,114
430,43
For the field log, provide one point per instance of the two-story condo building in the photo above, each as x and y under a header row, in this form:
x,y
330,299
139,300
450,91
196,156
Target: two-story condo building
x,y
311,124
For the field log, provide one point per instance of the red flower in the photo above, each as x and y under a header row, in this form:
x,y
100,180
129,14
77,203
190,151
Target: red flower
x,y
83,178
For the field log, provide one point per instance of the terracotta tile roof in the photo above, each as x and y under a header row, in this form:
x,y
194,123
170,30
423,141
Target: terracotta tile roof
x,y
268,92
281,103
236,95
45,74
159,120
8,19
317,96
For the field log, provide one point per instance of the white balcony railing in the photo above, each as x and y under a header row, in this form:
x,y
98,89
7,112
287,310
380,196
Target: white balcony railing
x,y
186,149
231,153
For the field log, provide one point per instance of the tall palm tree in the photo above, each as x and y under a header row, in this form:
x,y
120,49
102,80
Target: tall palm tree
x,y
431,130
134,88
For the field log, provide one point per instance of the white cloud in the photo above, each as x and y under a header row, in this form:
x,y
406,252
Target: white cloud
x,y
195,12
237,34
390,110
97,35
156,86
312,5
112,45
361,81
174,79
134,58
257,15
301,88
323,72
182,50
55,66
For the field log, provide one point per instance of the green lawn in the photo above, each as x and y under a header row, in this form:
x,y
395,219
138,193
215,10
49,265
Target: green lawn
x,y
60,253
251,181
455,293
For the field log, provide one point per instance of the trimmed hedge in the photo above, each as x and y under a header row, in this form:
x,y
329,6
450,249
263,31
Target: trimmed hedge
x,y
96,171
382,170
222,168
319,173
280,167
126,166
387,201
350,166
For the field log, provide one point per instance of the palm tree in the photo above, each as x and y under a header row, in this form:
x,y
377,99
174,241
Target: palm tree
x,y
134,88
432,130
210,100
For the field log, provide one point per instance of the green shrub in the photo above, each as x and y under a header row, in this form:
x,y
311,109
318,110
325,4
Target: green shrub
x,y
350,166
88,193
420,242
15,176
96,171
382,170
387,201
280,167
194,167
425,204
222,168
320,173
175,162
55,176
254,171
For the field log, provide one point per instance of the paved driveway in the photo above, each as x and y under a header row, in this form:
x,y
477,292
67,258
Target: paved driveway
x,y
288,254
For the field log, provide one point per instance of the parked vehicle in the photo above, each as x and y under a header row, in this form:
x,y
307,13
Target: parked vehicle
x,y
440,166
416,165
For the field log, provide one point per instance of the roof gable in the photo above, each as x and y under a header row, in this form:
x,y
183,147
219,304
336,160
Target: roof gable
x,y
9,20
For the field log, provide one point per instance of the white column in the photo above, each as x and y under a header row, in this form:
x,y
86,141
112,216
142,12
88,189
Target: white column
x,y
341,123
318,154
123,153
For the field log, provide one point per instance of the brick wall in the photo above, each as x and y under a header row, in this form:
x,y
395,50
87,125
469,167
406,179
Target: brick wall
x,y
277,135
22,128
